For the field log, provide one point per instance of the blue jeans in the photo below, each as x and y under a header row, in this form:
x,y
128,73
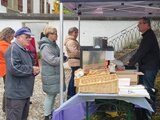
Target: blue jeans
x,y
71,88
148,80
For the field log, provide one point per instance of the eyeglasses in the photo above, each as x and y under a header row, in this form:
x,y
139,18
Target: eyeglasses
x,y
53,33
26,37
140,23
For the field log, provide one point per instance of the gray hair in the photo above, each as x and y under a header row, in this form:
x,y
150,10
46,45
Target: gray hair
x,y
72,29
5,34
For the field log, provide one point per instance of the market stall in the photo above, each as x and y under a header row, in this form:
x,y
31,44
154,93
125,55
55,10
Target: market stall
x,y
75,108
105,8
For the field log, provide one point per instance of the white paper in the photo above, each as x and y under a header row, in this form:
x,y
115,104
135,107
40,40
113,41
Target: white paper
x,y
109,55
136,90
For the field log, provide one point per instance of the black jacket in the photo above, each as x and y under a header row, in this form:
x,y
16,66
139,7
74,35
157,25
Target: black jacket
x,y
147,54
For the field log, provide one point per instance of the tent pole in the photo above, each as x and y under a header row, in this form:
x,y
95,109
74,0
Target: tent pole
x,y
61,54
79,22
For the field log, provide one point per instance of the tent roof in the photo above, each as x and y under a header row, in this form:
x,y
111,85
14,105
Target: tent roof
x,y
114,8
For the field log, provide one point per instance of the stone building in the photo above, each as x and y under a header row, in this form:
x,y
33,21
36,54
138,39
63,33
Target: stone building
x,y
26,6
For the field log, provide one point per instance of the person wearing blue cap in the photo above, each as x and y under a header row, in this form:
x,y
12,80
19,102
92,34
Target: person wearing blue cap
x,y
20,76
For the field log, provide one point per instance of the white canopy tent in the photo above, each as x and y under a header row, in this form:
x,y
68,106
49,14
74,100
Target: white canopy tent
x,y
106,8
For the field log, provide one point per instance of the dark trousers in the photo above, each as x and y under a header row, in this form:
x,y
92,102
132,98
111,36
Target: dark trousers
x,y
142,114
17,109
148,80
71,88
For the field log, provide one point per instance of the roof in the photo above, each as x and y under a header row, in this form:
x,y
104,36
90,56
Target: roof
x,y
114,8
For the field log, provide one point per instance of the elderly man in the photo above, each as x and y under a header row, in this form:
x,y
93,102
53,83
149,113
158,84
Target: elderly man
x,y
20,77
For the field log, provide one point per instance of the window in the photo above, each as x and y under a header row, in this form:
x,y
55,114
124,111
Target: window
x,y
4,3
29,6
13,5
41,6
20,5
48,7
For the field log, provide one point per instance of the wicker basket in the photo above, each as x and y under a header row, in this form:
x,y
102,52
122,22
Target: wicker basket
x,y
92,74
94,66
98,84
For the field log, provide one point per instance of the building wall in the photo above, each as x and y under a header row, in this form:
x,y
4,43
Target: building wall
x,y
2,8
88,29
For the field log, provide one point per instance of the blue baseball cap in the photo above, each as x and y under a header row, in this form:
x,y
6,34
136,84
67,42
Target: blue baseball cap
x,y
23,31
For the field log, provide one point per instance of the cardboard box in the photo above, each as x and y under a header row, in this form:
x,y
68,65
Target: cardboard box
x,y
124,82
132,74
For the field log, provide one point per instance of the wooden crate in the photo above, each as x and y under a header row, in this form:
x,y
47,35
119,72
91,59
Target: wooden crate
x,y
132,74
98,84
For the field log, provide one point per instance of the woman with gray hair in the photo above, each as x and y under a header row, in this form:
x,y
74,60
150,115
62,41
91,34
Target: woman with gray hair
x,y
50,73
73,51
6,35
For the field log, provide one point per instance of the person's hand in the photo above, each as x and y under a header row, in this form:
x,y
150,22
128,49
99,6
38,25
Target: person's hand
x,y
36,70
130,67
127,63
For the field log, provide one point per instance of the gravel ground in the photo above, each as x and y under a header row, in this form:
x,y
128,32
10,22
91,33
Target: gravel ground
x,y
36,108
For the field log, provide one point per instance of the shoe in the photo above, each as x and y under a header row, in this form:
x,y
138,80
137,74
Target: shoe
x,y
68,97
49,117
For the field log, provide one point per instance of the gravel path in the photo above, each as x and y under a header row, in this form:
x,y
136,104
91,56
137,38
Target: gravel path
x,y
36,108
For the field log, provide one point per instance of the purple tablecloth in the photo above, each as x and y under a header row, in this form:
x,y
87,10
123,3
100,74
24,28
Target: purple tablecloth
x,y
75,107
77,112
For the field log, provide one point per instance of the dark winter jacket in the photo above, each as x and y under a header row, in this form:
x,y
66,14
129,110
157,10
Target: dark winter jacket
x,y
50,61
19,78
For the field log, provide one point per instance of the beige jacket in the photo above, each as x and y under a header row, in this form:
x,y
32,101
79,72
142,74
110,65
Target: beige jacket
x,y
73,51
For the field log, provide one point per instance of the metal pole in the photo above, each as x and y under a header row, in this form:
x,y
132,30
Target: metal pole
x,y
87,117
79,19
61,54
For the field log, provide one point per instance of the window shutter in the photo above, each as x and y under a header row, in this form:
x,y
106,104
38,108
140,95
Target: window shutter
x,y
4,3
48,7
29,6
42,6
20,5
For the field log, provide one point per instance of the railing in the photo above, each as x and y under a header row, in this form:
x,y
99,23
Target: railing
x,y
124,38
156,25
129,36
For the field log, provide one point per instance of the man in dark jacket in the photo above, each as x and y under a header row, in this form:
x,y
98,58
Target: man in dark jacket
x,y
147,57
20,77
